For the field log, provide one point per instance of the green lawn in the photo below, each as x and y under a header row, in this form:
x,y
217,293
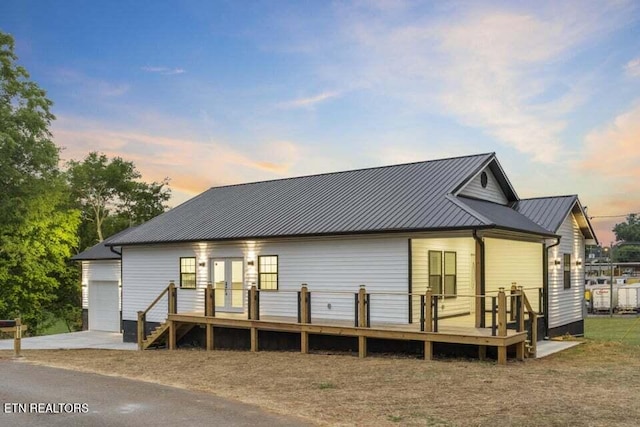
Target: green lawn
x,y
620,329
59,327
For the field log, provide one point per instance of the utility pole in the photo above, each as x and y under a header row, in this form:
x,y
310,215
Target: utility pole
x,y
611,279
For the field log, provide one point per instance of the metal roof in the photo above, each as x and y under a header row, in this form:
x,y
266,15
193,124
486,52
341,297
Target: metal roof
x,y
102,250
504,217
550,212
413,196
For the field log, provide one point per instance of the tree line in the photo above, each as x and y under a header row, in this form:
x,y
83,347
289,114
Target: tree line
x,y
49,211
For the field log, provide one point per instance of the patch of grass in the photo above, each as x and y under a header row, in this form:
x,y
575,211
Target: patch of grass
x,y
625,330
394,418
58,327
326,385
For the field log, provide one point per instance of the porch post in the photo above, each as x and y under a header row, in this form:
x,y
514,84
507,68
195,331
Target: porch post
x,y
502,313
253,315
304,318
428,310
209,310
209,301
480,282
362,321
173,298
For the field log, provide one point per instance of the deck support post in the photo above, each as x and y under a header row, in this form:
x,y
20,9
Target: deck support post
x,y
533,318
502,313
482,352
428,350
502,355
254,339
304,318
172,335
141,322
209,336
362,346
520,348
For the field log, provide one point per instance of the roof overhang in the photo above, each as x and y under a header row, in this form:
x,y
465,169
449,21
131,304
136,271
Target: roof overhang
x,y
584,224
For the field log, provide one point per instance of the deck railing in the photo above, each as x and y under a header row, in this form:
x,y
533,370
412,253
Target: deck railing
x,y
331,317
503,308
172,308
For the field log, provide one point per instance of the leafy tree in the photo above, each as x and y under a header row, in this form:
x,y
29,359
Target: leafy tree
x,y
112,197
628,231
37,225
628,253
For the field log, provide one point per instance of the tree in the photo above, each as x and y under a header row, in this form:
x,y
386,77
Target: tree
x,y
627,253
111,196
37,224
629,233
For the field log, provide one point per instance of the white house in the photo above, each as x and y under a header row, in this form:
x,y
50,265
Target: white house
x,y
455,225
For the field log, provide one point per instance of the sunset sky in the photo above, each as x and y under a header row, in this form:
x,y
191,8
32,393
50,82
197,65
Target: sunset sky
x,y
211,93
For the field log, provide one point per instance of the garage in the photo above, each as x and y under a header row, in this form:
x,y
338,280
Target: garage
x,y
104,310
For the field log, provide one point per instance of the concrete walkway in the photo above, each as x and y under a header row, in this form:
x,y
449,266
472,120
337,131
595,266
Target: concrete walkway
x,y
546,348
84,339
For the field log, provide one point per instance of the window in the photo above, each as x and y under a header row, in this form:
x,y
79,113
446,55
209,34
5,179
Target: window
x,y
450,276
567,270
484,179
188,273
435,271
268,272
443,280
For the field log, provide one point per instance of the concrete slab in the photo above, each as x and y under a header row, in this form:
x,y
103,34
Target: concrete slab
x,y
545,348
84,339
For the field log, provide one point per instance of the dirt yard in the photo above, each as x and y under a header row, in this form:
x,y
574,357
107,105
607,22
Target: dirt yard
x,y
594,384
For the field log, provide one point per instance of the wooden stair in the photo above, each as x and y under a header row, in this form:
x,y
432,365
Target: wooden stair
x,y
159,335
156,335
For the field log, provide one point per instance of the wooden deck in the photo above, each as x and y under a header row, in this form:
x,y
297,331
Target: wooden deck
x,y
428,331
481,337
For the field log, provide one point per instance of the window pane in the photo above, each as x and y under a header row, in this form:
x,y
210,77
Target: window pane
x,y
188,265
450,285
435,282
435,263
450,263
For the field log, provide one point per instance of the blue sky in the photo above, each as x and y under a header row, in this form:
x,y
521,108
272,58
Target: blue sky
x,y
212,93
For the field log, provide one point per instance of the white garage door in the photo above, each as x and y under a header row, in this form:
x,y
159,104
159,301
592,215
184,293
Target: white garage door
x,y
104,313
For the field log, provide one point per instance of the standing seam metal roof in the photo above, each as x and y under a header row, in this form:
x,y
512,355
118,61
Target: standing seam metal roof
x,y
548,212
412,196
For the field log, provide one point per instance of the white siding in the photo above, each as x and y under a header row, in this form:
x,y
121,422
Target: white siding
x,y
98,270
566,305
465,266
325,264
509,261
493,192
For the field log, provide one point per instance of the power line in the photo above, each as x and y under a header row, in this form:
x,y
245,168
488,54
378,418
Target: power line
x,y
614,216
